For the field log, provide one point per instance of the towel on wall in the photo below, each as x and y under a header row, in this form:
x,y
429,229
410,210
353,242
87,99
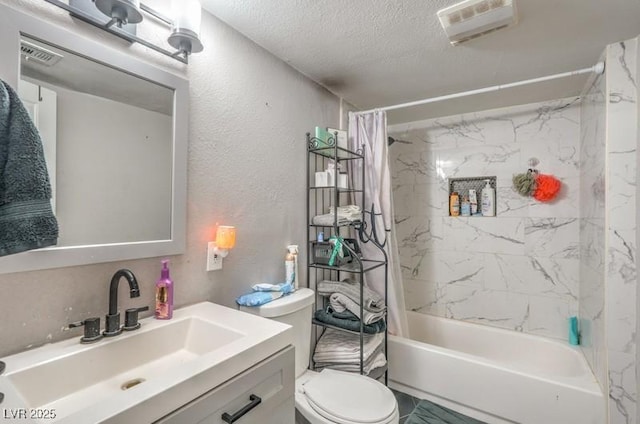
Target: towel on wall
x,y
26,219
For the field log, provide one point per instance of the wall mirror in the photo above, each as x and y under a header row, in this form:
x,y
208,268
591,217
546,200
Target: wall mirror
x,y
114,131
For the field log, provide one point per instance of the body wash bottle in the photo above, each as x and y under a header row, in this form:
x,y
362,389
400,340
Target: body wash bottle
x,y
488,200
164,293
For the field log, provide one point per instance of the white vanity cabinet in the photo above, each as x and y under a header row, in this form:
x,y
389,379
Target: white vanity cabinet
x,y
272,381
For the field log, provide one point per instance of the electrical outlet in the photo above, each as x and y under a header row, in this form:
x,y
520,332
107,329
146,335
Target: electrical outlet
x,y
214,260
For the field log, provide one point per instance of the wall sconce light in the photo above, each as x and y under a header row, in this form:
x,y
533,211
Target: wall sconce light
x,y
185,25
225,241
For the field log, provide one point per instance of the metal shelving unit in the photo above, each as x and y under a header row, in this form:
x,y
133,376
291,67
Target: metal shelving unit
x,y
320,152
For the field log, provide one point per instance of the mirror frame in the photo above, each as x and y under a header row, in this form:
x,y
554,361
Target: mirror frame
x,y
14,25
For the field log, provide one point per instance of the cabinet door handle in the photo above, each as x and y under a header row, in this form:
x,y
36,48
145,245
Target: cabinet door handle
x,y
255,401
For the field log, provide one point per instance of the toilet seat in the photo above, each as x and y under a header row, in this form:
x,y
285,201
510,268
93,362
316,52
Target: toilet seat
x,y
346,398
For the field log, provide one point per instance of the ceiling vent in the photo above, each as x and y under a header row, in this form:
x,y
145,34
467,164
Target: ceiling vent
x,y
473,18
35,53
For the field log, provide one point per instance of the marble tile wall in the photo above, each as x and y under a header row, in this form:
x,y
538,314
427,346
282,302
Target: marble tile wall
x,y
519,270
621,295
592,228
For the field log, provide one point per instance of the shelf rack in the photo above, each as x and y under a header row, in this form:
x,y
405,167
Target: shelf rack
x,y
320,152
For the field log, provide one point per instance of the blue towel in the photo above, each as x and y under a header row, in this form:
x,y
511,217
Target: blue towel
x,y
257,298
26,219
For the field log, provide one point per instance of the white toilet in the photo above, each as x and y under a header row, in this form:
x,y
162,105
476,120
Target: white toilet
x,y
328,397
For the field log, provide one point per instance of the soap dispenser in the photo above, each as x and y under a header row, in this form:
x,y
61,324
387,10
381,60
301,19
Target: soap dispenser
x,y
164,293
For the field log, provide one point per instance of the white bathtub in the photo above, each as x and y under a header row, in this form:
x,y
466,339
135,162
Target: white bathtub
x,y
497,376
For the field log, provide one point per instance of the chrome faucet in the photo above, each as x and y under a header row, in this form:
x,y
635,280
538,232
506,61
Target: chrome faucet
x,y
112,324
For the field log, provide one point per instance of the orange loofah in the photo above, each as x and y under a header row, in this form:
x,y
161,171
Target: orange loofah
x,y
547,188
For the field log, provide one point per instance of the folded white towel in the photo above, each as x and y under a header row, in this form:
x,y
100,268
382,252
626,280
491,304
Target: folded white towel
x,y
327,220
333,358
340,346
340,303
377,361
351,212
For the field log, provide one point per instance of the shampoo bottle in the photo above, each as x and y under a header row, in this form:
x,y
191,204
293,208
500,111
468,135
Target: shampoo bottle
x,y
164,293
488,200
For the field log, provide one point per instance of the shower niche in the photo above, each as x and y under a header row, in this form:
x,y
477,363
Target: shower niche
x,y
462,186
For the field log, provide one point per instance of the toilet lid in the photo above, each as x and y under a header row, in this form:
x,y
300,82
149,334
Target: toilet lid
x,y
349,398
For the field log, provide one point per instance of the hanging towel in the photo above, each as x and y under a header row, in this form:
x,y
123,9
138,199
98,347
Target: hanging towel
x,y
26,219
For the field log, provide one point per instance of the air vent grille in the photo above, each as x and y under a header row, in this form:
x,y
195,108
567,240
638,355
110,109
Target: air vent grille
x,y
473,18
38,54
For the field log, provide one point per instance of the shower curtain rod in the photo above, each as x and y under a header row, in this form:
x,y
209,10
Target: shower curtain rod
x,y
598,68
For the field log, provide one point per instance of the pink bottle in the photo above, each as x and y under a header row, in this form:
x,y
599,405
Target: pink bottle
x,y
164,293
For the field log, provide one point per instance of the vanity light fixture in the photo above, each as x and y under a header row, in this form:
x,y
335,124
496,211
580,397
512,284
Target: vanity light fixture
x,y
219,249
121,12
185,25
185,31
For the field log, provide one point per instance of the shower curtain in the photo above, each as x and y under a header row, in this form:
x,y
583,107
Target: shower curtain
x,y
368,133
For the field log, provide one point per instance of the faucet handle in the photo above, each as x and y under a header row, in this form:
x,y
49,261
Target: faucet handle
x,y
131,318
91,329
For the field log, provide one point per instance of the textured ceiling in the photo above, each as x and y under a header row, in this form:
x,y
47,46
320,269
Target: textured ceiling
x,y
380,52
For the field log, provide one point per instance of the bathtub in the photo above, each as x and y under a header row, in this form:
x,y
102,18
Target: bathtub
x,y
497,376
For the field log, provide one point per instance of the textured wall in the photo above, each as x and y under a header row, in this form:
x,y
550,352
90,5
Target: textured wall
x,y
592,228
518,270
249,112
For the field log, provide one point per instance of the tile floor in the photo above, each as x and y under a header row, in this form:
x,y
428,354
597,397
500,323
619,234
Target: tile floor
x,y
406,404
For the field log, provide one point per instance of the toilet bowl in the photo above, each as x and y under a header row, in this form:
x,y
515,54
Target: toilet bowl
x,y
339,397
329,396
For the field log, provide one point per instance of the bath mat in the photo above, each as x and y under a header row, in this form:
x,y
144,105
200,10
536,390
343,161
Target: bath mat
x,y
430,413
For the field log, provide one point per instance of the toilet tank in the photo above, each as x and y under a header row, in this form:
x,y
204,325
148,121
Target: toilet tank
x,y
295,309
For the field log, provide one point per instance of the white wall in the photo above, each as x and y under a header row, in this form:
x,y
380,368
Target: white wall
x,y
249,113
519,270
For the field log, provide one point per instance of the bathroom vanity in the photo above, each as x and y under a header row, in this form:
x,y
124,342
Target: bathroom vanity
x,y
266,389
208,364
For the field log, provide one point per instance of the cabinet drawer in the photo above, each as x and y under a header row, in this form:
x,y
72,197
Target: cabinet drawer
x,y
272,380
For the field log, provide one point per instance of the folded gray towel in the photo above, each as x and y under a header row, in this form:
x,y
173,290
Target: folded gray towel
x,y
329,317
341,303
26,219
372,301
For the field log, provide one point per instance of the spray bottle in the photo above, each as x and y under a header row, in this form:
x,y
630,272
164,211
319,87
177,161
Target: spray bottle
x,y
293,250
290,267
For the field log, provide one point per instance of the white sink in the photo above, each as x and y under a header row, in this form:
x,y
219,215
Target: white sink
x,y
143,375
